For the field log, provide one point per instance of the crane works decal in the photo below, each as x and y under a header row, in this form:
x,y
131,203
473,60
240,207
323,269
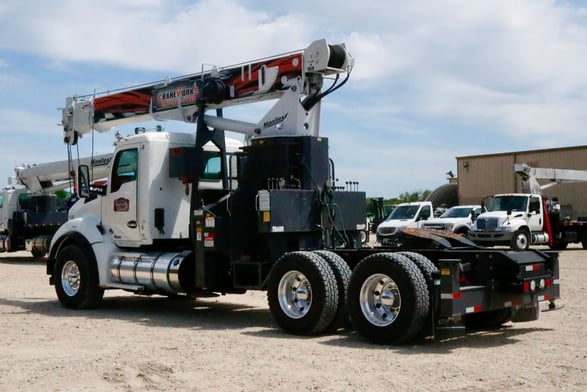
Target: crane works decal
x,y
275,121
174,95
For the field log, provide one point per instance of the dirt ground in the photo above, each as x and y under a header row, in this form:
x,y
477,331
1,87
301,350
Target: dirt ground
x,y
230,343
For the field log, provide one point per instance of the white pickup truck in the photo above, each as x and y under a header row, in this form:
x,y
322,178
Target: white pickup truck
x,y
404,215
457,219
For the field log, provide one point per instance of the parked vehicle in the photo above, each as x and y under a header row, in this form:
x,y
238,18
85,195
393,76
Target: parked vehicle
x,y
457,219
523,219
404,215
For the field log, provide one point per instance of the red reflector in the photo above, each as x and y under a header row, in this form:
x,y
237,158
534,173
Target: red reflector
x,y
526,286
462,278
548,283
536,267
456,295
547,297
478,308
175,152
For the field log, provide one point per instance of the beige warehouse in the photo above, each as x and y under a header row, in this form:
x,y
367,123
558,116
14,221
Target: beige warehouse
x,y
482,175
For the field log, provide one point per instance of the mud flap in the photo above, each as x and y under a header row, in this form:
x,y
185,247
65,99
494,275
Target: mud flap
x,y
528,312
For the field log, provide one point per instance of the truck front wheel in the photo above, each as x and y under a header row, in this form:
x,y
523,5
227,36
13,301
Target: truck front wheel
x,y
76,279
520,240
302,293
389,301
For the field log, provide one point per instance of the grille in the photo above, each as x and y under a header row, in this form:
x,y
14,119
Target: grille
x,y
386,230
436,226
487,223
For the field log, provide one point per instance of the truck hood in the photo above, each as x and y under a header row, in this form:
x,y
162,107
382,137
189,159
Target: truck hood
x,y
500,214
447,220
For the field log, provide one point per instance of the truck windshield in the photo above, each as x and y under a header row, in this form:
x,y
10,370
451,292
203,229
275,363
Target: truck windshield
x,y
508,203
403,212
457,212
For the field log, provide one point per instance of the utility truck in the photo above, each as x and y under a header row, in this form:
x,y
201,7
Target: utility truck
x,y
523,219
182,215
30,209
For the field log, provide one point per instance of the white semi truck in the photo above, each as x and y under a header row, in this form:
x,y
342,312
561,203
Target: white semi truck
x,y
182,215
30,209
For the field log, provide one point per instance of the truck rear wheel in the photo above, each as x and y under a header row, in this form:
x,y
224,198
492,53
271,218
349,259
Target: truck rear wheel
x,y
342,274
302,293
388,299
520,240
76,279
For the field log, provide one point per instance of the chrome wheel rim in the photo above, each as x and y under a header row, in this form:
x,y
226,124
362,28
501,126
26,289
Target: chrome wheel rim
x,y
70,278
521,241
380,300
294,294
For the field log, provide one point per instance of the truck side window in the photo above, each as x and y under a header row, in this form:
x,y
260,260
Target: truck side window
x,y
124,169
425,213
213,168
534,204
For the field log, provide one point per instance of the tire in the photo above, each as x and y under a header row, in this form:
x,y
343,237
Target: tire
x,y
364,236
388,299
492,319
38,253
76,278
302,293
521,240
559,245
428,269
464,231
342,275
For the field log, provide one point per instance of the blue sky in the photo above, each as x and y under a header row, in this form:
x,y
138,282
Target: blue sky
x,y
433,80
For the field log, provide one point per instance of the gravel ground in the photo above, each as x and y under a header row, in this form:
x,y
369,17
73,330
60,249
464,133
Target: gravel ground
x,y
230,343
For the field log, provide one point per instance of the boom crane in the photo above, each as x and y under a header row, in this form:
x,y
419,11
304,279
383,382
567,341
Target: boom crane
x,y
531,175
288,77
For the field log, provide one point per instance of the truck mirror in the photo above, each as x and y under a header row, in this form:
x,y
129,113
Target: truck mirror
x,y
83,181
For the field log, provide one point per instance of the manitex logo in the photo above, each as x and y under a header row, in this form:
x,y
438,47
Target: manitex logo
x,y
275,121
101,161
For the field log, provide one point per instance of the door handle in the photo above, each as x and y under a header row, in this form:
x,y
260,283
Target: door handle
x,y
132,224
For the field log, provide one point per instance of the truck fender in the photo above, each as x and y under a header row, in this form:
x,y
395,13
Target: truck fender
x,y
84,232
88,228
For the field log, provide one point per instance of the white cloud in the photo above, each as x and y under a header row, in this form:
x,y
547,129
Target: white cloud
x,y
484,76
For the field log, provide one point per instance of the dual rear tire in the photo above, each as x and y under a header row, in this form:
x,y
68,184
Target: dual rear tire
x,y
387,296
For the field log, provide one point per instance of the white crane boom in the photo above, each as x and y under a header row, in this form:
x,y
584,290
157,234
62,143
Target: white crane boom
x,y
531,175
295,78
52,176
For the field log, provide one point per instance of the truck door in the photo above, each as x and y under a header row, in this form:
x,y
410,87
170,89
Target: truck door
x,y
120,203
423,215
535,214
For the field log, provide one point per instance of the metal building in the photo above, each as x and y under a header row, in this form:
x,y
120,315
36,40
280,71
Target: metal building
x,y
482,175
